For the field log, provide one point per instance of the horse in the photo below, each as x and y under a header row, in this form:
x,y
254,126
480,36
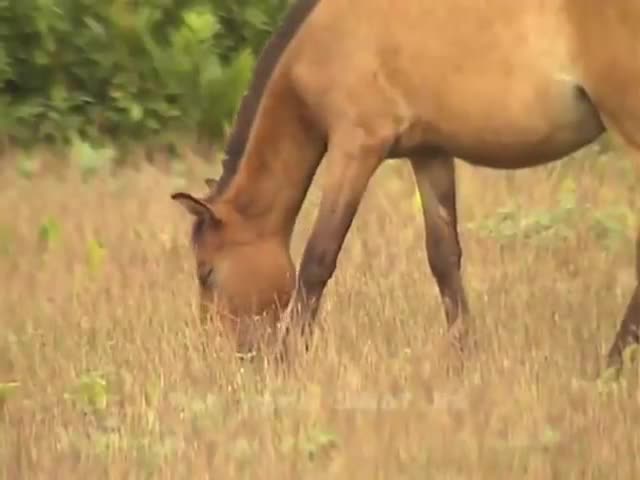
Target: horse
x,y
352,83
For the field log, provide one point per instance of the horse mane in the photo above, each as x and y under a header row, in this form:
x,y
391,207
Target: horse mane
x,y
265,65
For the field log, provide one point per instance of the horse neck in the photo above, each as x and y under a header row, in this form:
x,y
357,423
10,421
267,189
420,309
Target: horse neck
x,y
276,170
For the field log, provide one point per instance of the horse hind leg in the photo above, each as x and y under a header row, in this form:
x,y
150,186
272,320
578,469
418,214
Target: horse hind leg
x,y
435,180
628,333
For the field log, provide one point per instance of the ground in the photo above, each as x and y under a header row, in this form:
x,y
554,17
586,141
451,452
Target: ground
x,y
102,374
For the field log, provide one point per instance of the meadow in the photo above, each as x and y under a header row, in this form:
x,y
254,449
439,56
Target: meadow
x,y
103,374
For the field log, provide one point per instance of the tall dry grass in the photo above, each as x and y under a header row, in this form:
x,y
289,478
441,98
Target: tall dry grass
x,y
97,310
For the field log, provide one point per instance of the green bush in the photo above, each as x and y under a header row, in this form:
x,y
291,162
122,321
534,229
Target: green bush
x,y
126,69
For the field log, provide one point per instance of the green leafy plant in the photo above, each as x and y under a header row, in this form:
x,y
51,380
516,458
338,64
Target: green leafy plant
x,y
96,254
90,392
319,442
315,443
7,390
6,243
89,159
27,166
126,70
611,225
49,232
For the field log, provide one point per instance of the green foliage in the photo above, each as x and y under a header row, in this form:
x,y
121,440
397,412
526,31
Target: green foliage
x,y
49,233
7,390
612,226
95,255
90,160
27,166
314,443
6,240
90,392
318,443
126,70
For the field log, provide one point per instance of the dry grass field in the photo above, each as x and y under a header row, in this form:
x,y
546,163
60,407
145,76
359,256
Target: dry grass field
x,y
102,374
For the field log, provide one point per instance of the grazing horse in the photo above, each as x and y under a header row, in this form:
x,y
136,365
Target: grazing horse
x,y
498,83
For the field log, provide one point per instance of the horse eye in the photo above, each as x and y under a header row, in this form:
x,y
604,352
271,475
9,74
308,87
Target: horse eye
x,y
206,277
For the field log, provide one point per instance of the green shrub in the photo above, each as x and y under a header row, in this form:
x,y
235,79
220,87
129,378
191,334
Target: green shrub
x,y
126,69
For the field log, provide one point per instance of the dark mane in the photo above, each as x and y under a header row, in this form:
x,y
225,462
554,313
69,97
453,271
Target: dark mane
x,y
267,61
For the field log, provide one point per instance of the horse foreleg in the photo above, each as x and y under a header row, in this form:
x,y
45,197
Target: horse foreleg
x,y
351,160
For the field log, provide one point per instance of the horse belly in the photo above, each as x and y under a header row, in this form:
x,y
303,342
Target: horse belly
x,y
541,121
504,91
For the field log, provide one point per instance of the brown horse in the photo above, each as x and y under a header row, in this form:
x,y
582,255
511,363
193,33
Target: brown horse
x,y
498,83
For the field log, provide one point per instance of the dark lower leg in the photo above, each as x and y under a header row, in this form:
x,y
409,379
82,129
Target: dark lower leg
x,y
452,294
629,331
316,269
347,178
435,179
321,253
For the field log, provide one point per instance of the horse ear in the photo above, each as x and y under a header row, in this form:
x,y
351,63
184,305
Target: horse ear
x,y
212,183
194,206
